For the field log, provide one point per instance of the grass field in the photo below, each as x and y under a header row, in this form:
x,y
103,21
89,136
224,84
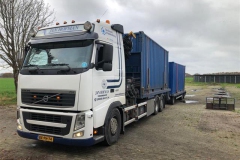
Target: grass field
x,y
7,92
8,95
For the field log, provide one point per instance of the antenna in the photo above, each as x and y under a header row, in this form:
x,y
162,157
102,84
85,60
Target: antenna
x,y
104,13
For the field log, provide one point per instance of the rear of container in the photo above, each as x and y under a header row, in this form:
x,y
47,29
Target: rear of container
x,y
176,81
148,67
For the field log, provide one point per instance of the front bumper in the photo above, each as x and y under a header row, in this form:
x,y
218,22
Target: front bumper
x,y
59,140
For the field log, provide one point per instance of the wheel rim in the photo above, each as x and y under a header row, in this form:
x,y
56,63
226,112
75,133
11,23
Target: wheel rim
x,y
113,125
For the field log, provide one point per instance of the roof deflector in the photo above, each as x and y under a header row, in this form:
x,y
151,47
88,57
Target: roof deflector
x,y
118,28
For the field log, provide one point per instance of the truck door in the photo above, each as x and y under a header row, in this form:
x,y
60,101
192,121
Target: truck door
x,y
102,90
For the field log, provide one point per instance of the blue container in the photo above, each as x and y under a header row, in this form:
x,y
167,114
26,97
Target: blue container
x,y
176,79
148,63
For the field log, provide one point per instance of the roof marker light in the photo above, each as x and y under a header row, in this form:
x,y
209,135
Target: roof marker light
x,y
73,21
57,23
107,21
65,22
98,20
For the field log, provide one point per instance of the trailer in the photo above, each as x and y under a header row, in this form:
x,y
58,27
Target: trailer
x,y
176,82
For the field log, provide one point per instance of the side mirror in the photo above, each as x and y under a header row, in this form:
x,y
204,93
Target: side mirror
x,y
107,53
107,67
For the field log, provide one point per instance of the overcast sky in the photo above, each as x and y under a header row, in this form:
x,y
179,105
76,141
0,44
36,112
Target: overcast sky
x,y
203,35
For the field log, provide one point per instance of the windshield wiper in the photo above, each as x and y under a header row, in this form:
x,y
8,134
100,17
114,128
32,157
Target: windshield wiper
x,y
57,64
33,67
61,64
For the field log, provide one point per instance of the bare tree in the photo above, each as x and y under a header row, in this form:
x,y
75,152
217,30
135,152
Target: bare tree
x,y
17,18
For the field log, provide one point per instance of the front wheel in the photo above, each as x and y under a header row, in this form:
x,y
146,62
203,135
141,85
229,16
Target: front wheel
x,y
112,127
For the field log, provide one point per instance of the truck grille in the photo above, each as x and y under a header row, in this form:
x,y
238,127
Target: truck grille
x,y
45,129
47,118
44,98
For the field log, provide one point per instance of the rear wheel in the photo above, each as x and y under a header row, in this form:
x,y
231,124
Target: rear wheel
x,y
172,100
112,127
161,106
156,105
164,102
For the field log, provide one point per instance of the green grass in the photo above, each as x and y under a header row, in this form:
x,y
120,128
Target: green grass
x,y
190,82
229,85
7,91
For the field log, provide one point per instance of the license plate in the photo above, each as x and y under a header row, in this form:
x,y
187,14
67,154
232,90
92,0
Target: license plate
x,y
45,138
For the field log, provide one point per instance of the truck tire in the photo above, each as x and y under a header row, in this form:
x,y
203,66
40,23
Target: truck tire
x,y
112,127
164,102
172,100
156,105
161,104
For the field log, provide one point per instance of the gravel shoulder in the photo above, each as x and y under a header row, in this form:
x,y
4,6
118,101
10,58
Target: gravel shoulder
x,y
181,131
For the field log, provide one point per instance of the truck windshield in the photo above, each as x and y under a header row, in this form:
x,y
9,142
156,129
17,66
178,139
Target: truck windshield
x,y
75,54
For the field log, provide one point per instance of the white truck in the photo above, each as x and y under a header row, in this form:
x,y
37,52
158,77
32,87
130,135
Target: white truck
x,y
79,85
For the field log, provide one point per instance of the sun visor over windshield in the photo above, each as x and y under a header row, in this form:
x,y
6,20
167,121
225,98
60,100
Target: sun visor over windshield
x,y
61,38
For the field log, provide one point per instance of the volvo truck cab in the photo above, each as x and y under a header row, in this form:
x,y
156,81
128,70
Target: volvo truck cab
x,y
71,75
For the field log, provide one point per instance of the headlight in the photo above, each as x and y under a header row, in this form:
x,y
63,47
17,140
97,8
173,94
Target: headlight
x,y
87,26
78,134
19,127
80,122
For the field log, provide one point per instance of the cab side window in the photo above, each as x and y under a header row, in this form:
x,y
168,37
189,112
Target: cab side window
x,y
104,57
99,56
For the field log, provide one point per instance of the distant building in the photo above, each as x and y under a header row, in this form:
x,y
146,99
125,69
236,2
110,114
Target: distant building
x,y
188,75
218,78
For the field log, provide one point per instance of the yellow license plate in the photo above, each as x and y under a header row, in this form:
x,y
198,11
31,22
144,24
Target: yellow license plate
x,y
45,138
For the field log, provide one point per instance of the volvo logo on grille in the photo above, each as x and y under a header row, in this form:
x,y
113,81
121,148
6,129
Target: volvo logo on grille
x,y
45,99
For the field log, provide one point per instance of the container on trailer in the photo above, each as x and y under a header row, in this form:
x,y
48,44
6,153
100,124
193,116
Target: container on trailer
x,y
148,64
176,79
